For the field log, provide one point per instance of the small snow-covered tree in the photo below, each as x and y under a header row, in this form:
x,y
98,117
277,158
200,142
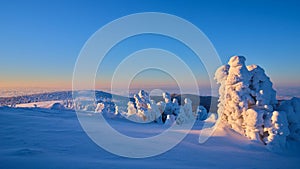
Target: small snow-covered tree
x,y
176,107
167,97
201,113
161,106
131,110
100,107
292,109
171,119
278,131
170,108
186,114
143,109
154,111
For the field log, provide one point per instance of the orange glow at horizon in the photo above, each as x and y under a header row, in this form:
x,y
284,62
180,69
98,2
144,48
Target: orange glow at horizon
x,y
104,84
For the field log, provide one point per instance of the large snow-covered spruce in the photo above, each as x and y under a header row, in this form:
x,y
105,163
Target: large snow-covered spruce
x,y
248,104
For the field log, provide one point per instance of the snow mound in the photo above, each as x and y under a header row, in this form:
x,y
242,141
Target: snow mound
x,y
57,106
248,105
44,104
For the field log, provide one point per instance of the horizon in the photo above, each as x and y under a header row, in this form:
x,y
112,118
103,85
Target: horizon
x,y
282,93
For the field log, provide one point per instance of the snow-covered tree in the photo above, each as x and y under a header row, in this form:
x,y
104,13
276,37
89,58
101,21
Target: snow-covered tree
x,y
167,97
234,93
186,114
143,109
201,113
278,131
176,107
292,109
247,103
100,107
171,119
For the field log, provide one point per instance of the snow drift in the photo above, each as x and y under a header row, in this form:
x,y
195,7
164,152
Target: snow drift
x,y
57,106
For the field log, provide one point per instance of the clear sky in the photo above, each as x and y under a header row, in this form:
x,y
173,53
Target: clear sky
x,y
40,40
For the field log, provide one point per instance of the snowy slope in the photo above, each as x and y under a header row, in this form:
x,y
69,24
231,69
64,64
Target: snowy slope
x,y
44,138
45,104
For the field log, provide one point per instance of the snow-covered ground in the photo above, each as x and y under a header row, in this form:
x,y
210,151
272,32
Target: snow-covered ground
x,y
45,138
45,104
43,130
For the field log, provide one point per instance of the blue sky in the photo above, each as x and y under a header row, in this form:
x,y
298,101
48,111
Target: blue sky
x,y
40,40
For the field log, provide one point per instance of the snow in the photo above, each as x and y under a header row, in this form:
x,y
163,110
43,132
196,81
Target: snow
x,y
100,107
43,130
278,131
143,109
45,138
248,105
292,109
45,104
186,115
201,113
57,106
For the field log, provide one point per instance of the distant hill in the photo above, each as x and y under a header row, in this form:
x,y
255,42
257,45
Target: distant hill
x,y
208,102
